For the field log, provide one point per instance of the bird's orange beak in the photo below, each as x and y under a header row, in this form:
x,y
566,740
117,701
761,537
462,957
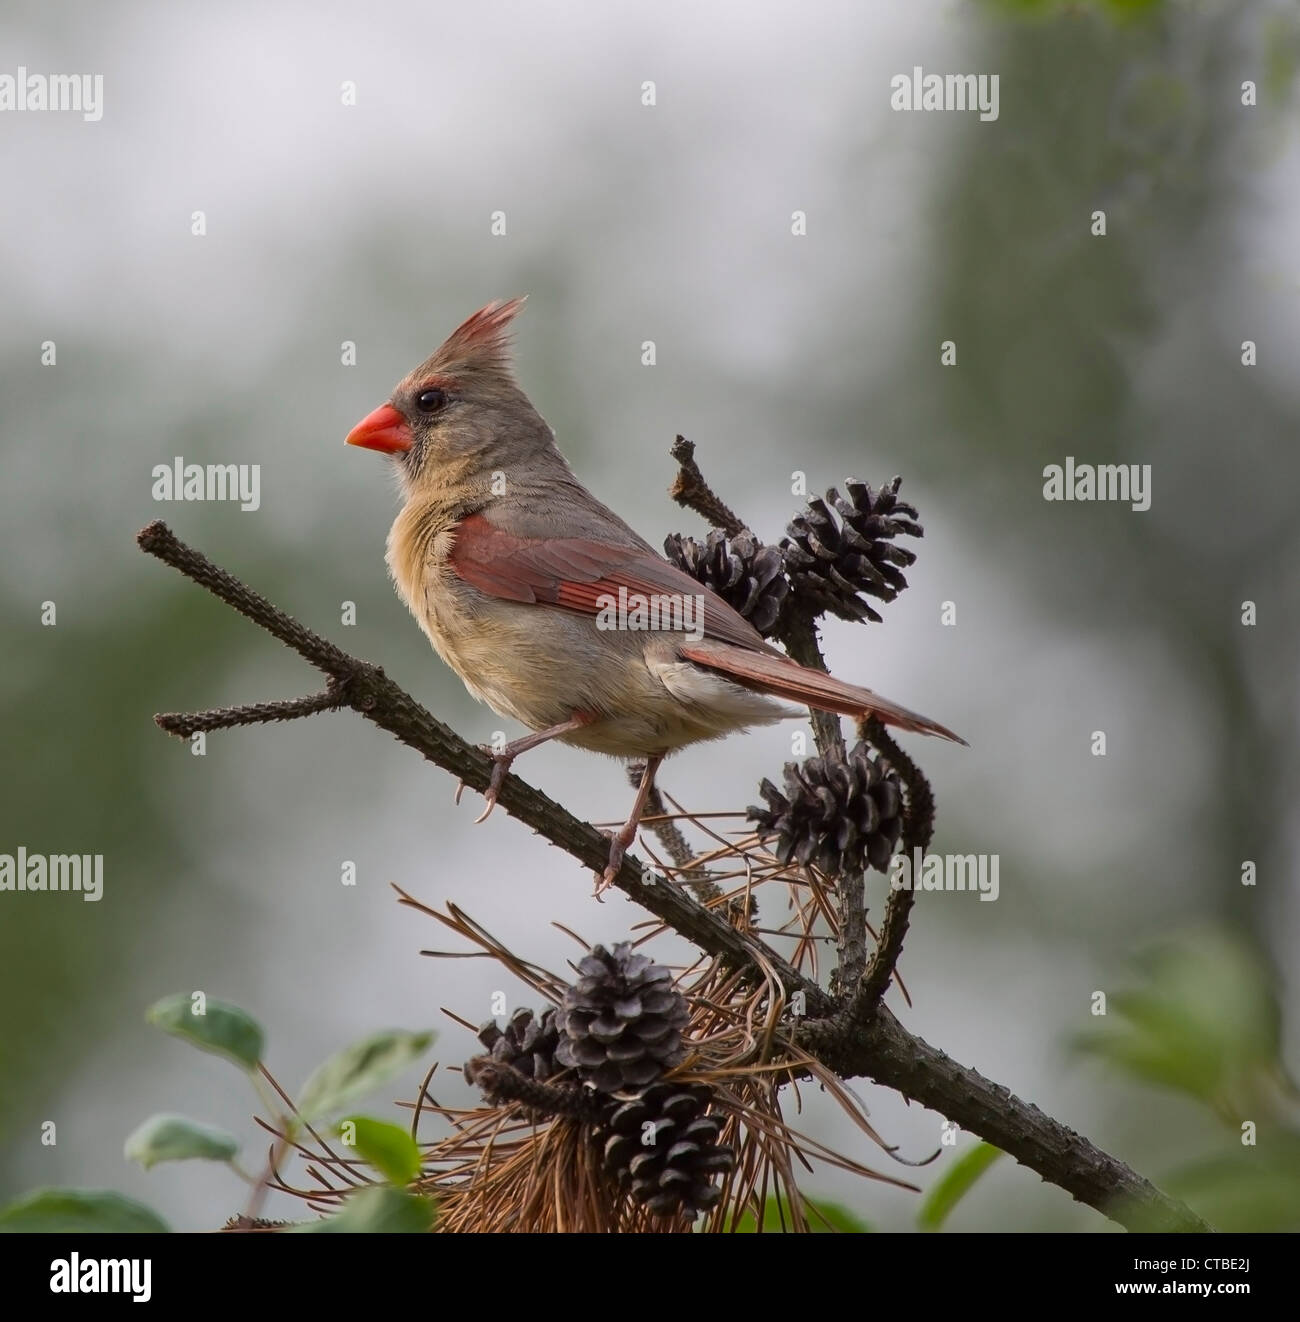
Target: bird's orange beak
x,y
384,430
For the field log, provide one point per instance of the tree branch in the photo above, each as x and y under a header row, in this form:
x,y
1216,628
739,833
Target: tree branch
x,y
365,689
797,633
918,828
874,1046
185,724
882,1049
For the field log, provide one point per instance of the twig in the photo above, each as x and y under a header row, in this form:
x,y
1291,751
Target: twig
x,y
275,1155
918,828
690,489
158,539
798,635
186,724
879,1048
503,1083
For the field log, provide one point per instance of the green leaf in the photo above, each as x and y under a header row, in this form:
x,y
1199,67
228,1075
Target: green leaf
x,y
378,1211
1281,57
955,1184
357,1069
387,1147
176,1138
1117,9
823,1216
79,1212
1204,1021
223,1029
1243,1188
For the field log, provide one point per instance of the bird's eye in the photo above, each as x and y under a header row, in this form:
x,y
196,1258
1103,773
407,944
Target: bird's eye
x,y
430,401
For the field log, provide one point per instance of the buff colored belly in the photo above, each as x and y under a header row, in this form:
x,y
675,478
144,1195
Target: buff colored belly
x,y
643,698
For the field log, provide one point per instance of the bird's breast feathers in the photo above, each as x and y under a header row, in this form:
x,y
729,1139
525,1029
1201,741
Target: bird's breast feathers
x,y
539,663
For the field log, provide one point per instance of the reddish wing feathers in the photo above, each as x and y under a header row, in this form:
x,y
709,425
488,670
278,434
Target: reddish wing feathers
x,y
574,572
784,678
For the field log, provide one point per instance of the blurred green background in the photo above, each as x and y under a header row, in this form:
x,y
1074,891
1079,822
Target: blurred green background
x,y
670,222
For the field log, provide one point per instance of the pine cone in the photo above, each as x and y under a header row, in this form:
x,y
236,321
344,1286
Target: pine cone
x,y
747,575
621,1023
662,1148
527,1044
831,561
839,815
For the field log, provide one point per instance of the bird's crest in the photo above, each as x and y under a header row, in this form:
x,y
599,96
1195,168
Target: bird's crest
x,y
481,343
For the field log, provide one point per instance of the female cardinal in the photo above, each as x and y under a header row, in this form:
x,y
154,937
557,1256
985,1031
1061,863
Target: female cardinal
x,y
517,573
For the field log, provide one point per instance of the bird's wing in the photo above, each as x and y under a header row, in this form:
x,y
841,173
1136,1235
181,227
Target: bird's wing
x,y
784,678
575,573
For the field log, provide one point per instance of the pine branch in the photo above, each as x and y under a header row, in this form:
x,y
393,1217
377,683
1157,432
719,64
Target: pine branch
x,y
365,689
918,828
503,1083
867,1042
798,635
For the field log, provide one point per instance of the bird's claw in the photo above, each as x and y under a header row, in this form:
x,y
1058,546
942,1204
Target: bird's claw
x,y
617,849
500,769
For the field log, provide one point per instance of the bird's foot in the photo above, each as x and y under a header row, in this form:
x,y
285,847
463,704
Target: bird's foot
x,y
617,850
500,769
503,757
618,844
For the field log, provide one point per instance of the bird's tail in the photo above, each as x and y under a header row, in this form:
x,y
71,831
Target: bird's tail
x,y
787,679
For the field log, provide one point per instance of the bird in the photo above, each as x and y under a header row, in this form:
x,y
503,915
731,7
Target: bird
x,y
536,593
